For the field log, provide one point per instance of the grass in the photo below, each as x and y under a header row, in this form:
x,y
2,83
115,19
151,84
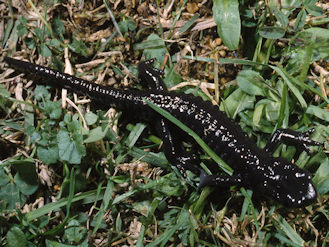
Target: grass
x,y
73,175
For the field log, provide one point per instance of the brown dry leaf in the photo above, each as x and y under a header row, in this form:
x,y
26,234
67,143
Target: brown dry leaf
x,y
19,93
45,175
205,24
134,231
101,34
192,7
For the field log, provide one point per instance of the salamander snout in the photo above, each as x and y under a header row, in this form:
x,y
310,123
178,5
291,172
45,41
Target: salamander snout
x,y
299,190
289,184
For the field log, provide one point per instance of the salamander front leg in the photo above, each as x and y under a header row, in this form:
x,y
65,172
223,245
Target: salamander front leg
x,y
151,75
290,137
219,180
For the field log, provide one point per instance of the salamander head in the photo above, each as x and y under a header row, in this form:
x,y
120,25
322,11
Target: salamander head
x,y
288,184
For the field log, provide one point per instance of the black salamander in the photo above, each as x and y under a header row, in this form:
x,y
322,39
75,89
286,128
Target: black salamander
x,y
253,167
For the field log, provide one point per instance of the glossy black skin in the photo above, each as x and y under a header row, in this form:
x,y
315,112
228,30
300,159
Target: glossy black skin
x,y
253,167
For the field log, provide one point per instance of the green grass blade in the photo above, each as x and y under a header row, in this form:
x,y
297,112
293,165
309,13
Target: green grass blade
x,y
289,231
287,78
87,197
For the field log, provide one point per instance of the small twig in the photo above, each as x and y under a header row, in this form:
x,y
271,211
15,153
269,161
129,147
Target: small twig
x,y
80,113
320,69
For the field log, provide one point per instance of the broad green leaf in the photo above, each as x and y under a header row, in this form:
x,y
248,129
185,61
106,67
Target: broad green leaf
x,y
272,32
3,91
14,125
282,19
172,78
44,50
74,125
91,118
251,82
53,109
153,41
35,136
312,9
300,20
79,47
157,159
4,179
10,194
272,111
238,101
317,32
306,62
96,134
54,43
26,177
318,112
49,155
71,148
227,18
27,185
16,237
74,233
257,114
58,26
154,47
127,25
321,178
39,34
170,186
52,243
41,92
142,207
30,43
288,6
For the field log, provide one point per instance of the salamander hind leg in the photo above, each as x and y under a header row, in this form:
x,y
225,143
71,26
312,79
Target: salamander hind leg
x,y
184,163
183,160
290,137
